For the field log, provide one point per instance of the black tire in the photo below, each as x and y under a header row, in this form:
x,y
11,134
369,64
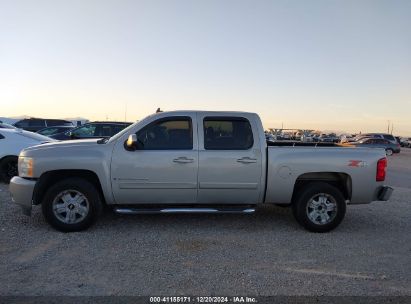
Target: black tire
x,y
301,206
389,152
72,185
8,168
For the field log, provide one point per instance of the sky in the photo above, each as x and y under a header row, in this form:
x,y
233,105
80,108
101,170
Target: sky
x,y
319,64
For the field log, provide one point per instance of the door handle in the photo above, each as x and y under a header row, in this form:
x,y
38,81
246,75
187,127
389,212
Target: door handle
x,y
247,160
183,160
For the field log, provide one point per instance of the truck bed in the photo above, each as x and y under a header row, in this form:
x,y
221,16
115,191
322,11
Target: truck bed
x,y
294,143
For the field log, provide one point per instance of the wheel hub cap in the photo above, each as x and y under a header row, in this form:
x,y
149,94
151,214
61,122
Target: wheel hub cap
x,y
321,209
70,206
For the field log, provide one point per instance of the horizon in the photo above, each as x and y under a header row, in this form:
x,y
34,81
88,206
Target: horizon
x,y
327,131
324,65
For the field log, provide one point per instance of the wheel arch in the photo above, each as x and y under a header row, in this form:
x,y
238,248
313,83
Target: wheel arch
x,y
7,156
341,181
51,177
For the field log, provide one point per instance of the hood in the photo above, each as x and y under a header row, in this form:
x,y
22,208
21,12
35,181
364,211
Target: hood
x,y
63,146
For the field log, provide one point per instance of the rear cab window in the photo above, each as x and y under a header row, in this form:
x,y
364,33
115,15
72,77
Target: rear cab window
x,y
227,133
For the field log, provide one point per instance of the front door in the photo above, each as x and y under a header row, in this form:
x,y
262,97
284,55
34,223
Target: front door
x,y
163,169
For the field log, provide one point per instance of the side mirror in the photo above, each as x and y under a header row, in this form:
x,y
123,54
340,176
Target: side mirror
x,y
131,142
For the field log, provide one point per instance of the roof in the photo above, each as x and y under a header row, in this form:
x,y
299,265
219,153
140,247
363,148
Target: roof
x,y
203,111
112,122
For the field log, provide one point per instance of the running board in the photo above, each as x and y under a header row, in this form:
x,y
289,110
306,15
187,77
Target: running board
x,y
181,210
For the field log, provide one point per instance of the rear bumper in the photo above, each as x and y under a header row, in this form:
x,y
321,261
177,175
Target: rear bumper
x,y
21,190
385,193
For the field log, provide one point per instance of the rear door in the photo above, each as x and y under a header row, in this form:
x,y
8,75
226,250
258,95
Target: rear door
x,y
163,169
230,160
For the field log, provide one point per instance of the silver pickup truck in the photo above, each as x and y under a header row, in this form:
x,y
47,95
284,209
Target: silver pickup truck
x,y
194,161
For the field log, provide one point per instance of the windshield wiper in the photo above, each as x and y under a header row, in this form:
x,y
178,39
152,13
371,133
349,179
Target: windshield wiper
x,y
103,140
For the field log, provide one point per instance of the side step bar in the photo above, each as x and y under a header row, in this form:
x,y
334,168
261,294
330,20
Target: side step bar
x,y
181,210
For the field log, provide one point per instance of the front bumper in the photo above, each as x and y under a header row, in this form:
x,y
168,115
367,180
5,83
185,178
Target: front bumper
x,y
21,190
385,193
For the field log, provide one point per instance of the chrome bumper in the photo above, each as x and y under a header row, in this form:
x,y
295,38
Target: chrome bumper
x,y
22,193
385,193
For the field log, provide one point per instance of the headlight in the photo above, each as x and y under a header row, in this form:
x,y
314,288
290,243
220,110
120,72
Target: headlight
x,y
25,166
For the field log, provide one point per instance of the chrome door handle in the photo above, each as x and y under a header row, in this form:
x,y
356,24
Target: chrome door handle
x,y
247,160
183,160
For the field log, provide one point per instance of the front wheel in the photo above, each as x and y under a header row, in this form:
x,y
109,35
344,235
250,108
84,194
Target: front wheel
x,y
8,168
319,207
389,152
72,204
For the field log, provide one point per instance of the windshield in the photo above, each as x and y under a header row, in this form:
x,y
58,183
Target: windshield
x,y
35,136
119,134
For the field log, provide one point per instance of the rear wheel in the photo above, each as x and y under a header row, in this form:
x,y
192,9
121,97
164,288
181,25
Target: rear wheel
x,y
72,204
8,168
389,152
319,207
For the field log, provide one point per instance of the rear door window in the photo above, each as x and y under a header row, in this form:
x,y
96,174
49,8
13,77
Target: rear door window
x,y
105,130
118,128
227,133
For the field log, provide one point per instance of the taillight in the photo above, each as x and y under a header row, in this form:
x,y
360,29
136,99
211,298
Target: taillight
x,y
381,170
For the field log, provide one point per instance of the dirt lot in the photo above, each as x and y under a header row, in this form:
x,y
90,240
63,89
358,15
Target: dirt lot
x,y
262,254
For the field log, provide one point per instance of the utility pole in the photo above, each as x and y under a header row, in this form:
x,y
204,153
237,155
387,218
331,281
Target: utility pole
x,y
125,113
388,131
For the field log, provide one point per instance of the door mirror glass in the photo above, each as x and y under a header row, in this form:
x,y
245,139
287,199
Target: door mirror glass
x,y
131,142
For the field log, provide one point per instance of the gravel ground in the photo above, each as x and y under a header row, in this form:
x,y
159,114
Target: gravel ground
x,y
266,253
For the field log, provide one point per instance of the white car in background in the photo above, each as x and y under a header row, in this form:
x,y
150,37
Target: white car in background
x,y
12,141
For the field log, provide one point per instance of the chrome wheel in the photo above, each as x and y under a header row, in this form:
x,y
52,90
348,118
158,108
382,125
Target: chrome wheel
x,y
70,206
321,209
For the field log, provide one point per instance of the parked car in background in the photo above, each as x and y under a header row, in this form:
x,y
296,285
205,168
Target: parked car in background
x,y
55,130
370,142
330,138
269,136
386,136
6,126
37,124
344,138
12,141
405,142
97,129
